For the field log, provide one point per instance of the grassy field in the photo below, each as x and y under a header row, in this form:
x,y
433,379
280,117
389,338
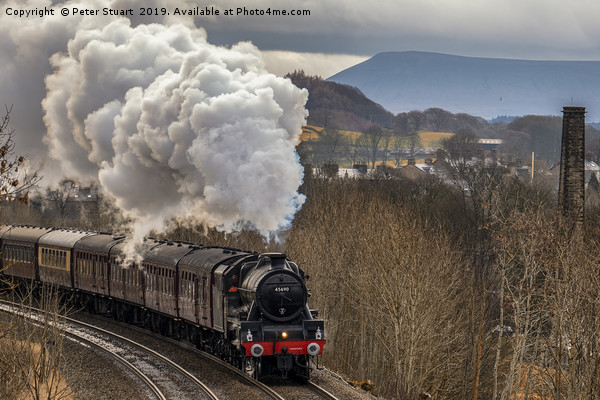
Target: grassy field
x,y
311,132
428,139
433,139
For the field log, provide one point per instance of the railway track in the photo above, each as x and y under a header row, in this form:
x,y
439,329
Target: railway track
x,y
324,393
299,391
162,378
279,391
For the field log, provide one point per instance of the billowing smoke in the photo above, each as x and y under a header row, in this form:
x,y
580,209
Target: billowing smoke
x,y
171,125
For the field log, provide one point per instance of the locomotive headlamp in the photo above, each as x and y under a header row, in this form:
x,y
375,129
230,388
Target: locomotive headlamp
x,y
284,335
257,350
313,349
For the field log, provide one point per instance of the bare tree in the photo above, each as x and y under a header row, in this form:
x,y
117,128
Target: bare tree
x,y
61,196
372,140
398,315
331,141
30,356
15,178
31,353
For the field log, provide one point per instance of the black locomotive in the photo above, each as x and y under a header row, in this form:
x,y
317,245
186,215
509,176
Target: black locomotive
x,y
250,309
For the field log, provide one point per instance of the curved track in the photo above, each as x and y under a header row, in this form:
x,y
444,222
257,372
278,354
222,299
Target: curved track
x,y
289,391
267,392
136,371
164,378
285,391
322,392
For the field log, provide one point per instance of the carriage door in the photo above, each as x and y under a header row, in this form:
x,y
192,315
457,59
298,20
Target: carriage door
x,y
195,299
201,300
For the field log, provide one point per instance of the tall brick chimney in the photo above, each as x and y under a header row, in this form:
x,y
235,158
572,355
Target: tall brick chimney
x,y
571,195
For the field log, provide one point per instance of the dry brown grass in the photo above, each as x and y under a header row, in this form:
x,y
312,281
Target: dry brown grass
x,y
20,377
311,132
433,139
31,355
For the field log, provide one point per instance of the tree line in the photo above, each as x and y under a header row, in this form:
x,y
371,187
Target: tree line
x,y
378,145
389,137
474,289
470,288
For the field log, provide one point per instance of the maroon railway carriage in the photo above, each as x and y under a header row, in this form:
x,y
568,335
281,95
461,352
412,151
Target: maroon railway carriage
x,y
160,266
91,272
20,250
127,281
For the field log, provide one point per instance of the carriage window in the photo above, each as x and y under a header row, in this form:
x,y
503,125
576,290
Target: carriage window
x,y
192,285
160,280
182,285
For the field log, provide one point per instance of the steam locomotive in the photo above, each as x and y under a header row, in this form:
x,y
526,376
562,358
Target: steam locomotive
x,y
249,309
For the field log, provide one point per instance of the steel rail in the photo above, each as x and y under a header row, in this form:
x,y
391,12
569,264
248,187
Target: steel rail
x,y
162,358
321,391
247,378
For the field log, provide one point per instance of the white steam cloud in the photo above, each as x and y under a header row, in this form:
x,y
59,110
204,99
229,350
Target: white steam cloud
x,y
169,124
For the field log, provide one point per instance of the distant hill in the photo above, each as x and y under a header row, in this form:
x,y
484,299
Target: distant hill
x,y
486,87
339,106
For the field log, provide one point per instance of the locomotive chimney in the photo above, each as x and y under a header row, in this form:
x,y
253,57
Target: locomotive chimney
x,y
274,260
571,195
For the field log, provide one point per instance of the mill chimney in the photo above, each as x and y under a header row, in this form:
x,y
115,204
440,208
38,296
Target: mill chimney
x,y
572,164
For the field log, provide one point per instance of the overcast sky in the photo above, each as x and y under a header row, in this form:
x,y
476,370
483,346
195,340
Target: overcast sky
x,y
340,33
343,31
93,94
